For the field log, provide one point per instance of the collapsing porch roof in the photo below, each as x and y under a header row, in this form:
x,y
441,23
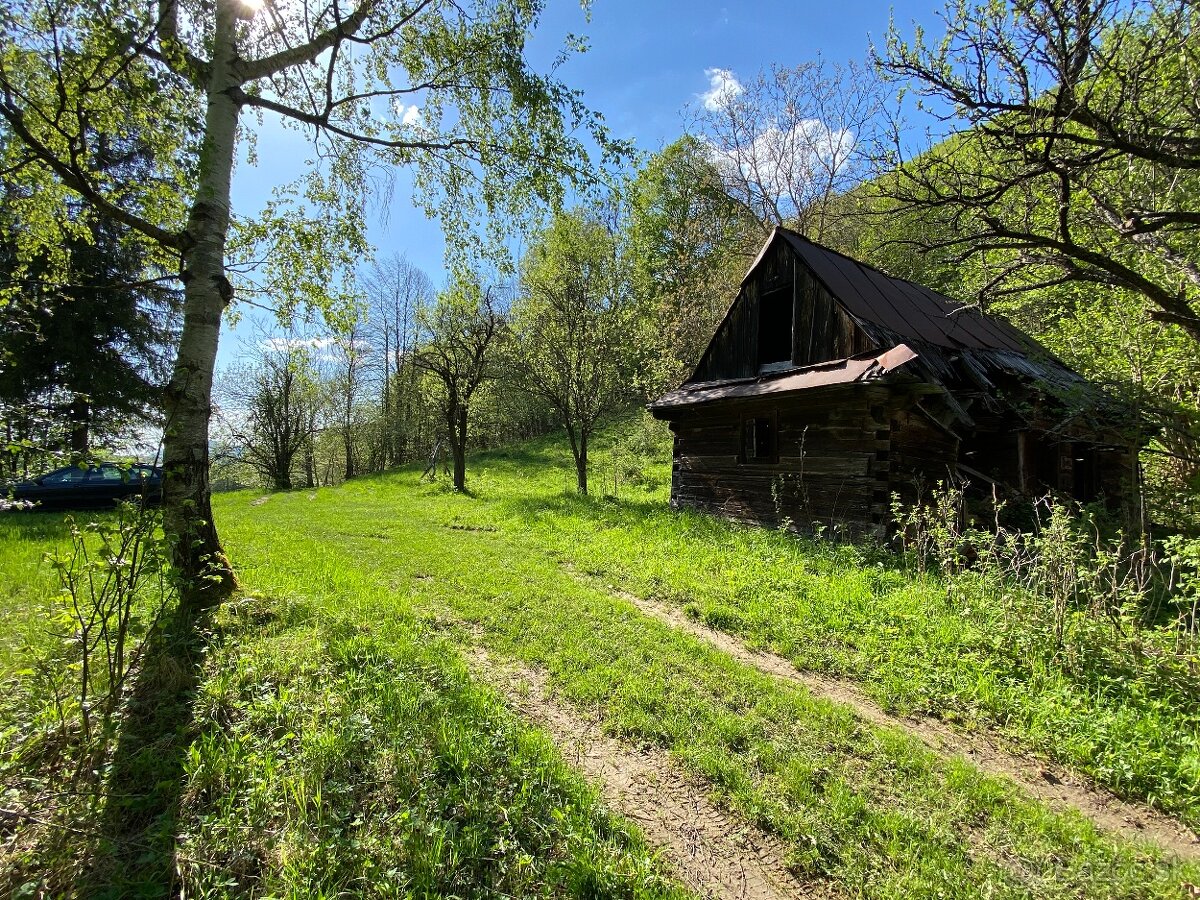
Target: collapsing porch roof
x,y
864,367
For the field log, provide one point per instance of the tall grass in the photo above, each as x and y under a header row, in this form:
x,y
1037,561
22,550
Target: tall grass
x,y
281,748
63,717
1070,647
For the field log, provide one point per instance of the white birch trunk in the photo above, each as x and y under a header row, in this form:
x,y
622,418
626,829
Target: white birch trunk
x,y
197,554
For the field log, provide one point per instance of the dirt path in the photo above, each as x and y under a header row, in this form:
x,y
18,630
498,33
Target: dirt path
x,y
1051,784
711,851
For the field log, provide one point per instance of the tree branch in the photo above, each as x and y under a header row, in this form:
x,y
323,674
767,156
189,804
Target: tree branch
x,y
78,182
321,121
175,54
310,51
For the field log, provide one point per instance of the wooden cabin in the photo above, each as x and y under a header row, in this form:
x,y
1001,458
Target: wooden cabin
x,y
829,387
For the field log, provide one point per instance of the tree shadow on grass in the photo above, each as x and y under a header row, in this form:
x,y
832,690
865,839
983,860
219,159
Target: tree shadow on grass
x,y
133,854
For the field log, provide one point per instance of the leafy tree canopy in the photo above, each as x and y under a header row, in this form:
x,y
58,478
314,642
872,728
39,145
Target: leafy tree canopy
x,y
1078,154
688,245
441,87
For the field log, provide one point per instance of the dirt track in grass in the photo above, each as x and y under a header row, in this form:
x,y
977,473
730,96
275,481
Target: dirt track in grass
x,y
710,850
1051,784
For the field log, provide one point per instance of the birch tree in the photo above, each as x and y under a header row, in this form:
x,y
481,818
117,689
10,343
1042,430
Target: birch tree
x,y
441,87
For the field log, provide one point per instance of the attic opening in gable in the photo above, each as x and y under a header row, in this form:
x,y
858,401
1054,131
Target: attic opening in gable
x,y
776,312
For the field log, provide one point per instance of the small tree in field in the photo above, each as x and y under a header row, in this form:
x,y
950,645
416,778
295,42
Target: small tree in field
x,y
350,364
272,405
459,334
574,328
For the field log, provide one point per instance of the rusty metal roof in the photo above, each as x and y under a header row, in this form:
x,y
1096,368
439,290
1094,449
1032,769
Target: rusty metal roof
x,y
956,343
906,309
864,367
935,339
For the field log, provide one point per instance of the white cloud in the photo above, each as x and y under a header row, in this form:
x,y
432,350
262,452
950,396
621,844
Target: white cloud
x,y
409,116
280,344
723,86
779,162
323,349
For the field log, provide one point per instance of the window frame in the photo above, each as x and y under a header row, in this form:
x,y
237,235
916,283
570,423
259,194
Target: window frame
x,y
68,475
769,421
105,475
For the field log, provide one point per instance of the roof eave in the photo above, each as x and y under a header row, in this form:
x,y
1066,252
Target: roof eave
x,y
866,367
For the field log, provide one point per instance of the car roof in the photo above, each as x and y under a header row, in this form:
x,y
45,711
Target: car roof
x,y
111,464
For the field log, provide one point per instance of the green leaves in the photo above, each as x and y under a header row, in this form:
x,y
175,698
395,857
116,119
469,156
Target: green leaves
x,y
305,245
1078,151
78,100
688,246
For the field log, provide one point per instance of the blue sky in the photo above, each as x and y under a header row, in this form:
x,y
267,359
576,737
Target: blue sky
x,y
646,63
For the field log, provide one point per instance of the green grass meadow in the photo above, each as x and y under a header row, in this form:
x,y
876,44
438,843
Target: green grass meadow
x,y
335,744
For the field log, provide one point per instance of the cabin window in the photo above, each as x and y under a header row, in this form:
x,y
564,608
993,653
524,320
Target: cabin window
x,y
1068,467
760,442
775,327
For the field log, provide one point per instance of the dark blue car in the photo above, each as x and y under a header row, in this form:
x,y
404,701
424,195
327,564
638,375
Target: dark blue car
x,y
77,487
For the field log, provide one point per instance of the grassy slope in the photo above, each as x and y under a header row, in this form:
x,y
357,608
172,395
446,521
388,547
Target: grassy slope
x,y
370,589
869,808
849,612
335,746
337,757
24,582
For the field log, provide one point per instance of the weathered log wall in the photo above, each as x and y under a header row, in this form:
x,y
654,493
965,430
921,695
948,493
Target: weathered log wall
x,y
831,467
923,452
842,452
